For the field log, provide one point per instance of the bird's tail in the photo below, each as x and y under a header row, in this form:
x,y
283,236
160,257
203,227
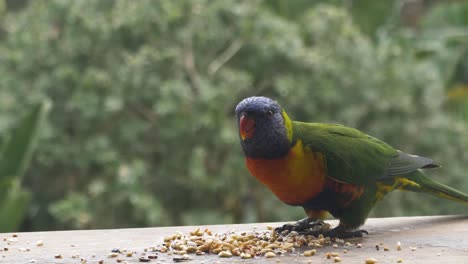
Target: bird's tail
x,y
419,182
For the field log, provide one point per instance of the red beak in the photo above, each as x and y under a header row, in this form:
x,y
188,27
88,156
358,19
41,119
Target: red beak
x,y
246,126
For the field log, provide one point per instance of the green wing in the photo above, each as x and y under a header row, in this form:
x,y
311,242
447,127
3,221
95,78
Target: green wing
x,y
354,157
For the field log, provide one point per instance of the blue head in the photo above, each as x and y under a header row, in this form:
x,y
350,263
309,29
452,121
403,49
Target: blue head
x,y
262,128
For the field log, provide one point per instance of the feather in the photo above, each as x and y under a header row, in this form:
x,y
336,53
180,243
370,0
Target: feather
x,y
405,163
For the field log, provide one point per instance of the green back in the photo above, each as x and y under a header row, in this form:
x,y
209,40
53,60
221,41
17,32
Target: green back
x,y
351,156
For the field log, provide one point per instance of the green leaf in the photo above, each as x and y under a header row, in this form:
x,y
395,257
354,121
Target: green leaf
x,y
17,150
13,207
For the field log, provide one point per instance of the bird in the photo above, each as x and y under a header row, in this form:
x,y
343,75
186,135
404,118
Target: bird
x,y
327,168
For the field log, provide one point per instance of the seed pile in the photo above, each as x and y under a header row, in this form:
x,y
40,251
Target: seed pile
x,y
245,245
255,244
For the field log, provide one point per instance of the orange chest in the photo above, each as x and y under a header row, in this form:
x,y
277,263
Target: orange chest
x,y
295,178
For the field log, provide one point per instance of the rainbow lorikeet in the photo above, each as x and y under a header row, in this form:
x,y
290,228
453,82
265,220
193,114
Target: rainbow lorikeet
x,y
327,167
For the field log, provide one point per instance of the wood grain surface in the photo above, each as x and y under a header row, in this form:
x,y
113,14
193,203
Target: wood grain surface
x,y
429,239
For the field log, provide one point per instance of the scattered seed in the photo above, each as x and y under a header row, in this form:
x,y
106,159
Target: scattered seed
x,y
270,255
377,247
197,232
101,262
347,244
32,261
386,249
144,259
399,260
58,256
310,253
113,255
245,256
339,240
115,250
14,235
359,245
287,246
335,246
398,246
181,259
345,251
371,261
329,255
39,243
413,248
337,259
152,256
129,254
225,254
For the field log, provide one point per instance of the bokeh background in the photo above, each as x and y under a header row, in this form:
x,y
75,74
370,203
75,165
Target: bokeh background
x,y
141,131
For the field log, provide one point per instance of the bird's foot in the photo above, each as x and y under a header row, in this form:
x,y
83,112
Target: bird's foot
x,y
337,232
303,225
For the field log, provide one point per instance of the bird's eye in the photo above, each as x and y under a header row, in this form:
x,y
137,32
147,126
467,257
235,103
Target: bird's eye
x,y
269,113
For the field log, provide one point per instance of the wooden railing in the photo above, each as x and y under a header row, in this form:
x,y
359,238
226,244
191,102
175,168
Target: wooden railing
x,y
431,239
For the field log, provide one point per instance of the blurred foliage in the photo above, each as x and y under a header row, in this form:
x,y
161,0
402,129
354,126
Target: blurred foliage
x,y
15,154
447,27
142,132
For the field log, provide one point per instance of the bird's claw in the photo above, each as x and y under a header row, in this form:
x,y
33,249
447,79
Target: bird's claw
x,y
337,233
285,227
350,234
300,226
308,226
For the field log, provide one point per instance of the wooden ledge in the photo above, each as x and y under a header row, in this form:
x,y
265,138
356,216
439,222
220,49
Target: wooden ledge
x,y
433,239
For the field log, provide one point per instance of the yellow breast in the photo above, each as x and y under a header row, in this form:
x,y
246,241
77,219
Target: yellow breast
x,y
295,178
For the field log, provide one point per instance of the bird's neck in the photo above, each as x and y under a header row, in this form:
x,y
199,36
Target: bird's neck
x,y
288,125
267,147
